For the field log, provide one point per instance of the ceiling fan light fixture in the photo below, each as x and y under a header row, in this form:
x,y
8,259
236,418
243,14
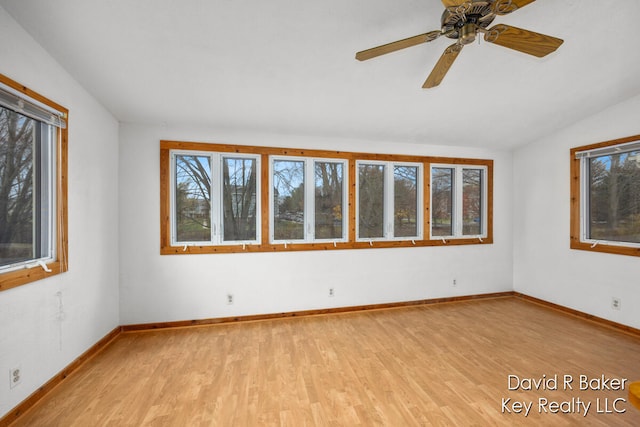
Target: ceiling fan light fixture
x,y
468,33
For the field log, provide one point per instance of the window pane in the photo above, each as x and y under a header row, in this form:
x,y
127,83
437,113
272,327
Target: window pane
x,y
370,201
471,202
614,197
19,205
239,177
288,200
193,198
442,201
405,210
328,200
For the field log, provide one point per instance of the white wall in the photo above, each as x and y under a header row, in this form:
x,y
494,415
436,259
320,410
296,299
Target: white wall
x,y
31,336
155,288
544,266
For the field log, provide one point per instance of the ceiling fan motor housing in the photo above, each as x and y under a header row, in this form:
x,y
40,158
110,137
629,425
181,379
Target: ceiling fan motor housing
x,y
463,21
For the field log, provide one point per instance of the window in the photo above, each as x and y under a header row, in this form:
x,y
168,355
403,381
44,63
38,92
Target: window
x,y
32,186
240,213
330,200
219,198
458,201
308,199
389,200
606,197
215,198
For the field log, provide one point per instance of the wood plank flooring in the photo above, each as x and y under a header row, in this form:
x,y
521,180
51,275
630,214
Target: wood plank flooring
x,y
442,364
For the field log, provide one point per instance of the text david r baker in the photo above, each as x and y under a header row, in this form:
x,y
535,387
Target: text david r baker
x,y
566,383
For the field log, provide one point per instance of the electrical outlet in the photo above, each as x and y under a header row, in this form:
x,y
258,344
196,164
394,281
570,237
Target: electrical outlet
x,y
616,303
229,299
455,282
15,377
331,292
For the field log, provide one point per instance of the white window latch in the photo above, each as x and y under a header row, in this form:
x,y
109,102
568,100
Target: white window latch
x,y
44,266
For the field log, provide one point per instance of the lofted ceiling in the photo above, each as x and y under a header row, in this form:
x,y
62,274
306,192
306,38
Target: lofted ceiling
x,y
288,66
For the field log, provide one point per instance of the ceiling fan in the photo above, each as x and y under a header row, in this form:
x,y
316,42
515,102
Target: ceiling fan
x,y
463,20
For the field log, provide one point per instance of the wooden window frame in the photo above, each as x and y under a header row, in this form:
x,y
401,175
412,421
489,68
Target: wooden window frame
x,y
12,279
576,241
166,146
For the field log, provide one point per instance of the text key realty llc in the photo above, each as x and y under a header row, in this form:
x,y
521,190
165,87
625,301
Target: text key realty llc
x,y
566,383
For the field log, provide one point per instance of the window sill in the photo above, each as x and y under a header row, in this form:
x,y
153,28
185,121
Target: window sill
x,y
23,276
294,247
605,248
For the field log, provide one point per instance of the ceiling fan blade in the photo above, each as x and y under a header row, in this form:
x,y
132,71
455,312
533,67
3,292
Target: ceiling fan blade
x,y
397,45
442,67
453,3
525,41
503,7
522,3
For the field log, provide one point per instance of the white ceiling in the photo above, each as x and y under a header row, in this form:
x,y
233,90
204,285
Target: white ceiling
x,y
288,66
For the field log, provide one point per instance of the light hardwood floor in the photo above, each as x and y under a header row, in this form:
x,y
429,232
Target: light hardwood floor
x,y
441,364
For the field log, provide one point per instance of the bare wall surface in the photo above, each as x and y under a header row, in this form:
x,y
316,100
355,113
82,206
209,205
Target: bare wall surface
x,y
155,288
544,265
45,325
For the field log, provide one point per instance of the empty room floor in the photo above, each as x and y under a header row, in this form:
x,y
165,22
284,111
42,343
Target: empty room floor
x,y
503,361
